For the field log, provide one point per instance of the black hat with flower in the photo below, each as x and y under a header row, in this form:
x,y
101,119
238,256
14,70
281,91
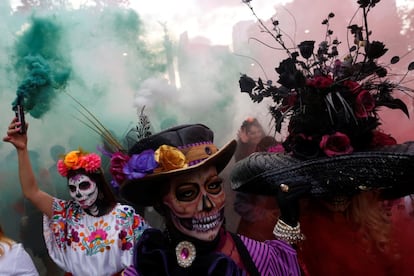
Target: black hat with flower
x,y
153,159
331,105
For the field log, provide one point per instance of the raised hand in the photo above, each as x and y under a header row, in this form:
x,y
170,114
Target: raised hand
x,y
14,137
242,135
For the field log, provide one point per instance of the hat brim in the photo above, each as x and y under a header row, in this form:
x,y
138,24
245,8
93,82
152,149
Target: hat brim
x,y
389,169
143,191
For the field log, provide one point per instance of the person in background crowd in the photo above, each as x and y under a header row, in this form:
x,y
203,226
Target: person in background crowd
x,y
248,136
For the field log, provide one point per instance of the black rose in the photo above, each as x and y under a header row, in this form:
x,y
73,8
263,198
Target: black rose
x,y
302,147
366,3
306,48
247,84
375,49
381,72
289,75
363,3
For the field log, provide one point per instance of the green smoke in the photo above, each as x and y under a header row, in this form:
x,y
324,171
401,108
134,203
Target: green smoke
x,y
40,65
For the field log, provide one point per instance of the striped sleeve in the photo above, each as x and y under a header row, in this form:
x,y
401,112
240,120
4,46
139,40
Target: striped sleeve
x,y
273,257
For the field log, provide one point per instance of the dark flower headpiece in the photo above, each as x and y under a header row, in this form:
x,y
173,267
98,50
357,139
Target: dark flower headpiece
x,y
332,103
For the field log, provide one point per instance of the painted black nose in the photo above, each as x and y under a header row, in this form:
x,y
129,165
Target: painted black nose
x,y
207,204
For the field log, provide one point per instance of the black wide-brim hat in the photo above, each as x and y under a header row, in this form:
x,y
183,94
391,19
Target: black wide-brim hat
x,y
195,141
389,169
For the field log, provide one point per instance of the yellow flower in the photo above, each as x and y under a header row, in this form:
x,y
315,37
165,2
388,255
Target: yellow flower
x,y
72,159
170,158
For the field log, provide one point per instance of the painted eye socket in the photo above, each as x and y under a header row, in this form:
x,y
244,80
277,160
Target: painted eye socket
x,y
72,188
214,187
84,185
187,192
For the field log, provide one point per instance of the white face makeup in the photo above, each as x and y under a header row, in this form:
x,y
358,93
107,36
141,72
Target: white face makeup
x,y
84,191
196,203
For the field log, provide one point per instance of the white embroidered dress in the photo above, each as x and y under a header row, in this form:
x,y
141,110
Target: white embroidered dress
x,y
86,245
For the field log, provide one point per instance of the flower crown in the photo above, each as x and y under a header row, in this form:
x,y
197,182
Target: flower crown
x,y
331,103
164,159
78,159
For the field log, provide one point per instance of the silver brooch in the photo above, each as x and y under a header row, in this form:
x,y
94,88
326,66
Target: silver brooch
x,y
185,253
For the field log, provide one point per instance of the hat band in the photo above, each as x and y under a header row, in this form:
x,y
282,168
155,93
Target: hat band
x,y
198,152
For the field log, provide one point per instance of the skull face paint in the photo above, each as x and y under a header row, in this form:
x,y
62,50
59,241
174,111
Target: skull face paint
x,y
196,203
83,190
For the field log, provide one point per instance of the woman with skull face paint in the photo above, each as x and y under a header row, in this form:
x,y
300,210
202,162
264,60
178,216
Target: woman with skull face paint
x,y
176,172
91,234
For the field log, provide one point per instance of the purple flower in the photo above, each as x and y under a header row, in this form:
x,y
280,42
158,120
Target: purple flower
x,y
74,237
139,165
122,235
126,246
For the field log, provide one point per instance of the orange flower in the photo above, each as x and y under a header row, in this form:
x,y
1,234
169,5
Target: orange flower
x,y
72,159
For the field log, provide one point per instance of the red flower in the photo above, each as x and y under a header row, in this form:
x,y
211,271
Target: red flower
x,y
126,246
118,160
320,81
92,162
353,86
380,139
365,103
289,101
336,144
137,222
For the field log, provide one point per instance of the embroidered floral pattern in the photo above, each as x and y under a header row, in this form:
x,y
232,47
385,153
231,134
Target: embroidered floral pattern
x,y
70,230
73,237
